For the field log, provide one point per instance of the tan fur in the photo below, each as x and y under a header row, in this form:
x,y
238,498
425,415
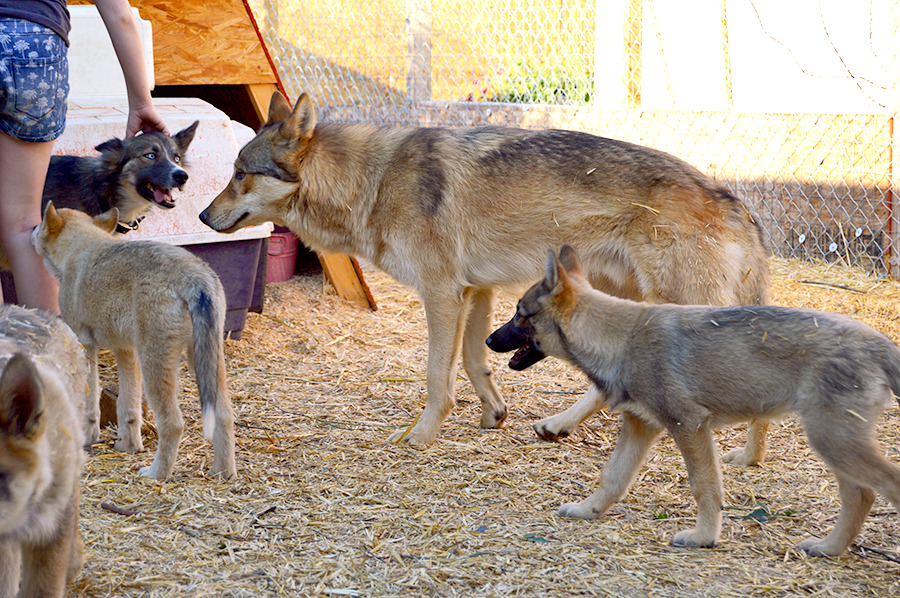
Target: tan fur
x,y
43,383
688,370
457,213
147,303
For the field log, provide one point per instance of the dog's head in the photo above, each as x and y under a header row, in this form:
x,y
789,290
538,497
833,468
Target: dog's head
x,y
53,239
534,331
23,454
147,168
266,169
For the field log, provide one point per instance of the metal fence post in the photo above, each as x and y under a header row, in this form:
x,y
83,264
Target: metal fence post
x,y
418,50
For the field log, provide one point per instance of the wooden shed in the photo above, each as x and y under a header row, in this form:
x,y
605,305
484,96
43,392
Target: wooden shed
x,y
211,49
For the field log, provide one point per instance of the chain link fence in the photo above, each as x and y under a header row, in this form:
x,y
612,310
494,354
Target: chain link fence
x,y
790,104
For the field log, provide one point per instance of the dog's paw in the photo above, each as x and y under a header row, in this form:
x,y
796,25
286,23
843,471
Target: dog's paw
x,y
579,510
818,547
546,429
129,445
741,457
411,437
692,538
492,419
93,434
152,471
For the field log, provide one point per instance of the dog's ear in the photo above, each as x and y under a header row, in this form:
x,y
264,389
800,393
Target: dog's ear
x,y
279,109
108,220
551,273
112,145
184,137
21,399
299,127
568,258
53,222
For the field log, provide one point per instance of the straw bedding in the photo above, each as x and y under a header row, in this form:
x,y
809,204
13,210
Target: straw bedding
x,y
324,506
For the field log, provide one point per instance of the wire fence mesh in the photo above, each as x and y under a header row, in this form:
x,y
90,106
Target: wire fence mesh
x,y
792,105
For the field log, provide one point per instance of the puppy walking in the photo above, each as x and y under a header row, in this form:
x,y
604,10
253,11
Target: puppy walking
x,y
457,213
147,303
688,370
43,381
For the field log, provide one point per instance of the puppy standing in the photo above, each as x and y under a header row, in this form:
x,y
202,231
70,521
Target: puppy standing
x,y
43,381
690,369
146,302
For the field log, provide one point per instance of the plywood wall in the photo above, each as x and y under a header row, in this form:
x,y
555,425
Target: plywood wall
x,y
203,42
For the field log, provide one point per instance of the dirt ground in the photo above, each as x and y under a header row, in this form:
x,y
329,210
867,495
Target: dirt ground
x,y
323,505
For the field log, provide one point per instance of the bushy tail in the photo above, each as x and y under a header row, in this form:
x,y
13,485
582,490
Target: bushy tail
x,y
206,304
207,308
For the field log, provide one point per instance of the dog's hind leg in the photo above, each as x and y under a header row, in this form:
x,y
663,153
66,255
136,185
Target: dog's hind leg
x,y
445,314
754,452
705,476
92,407
128,403
478,327
161,389
561,425
852,454
635,440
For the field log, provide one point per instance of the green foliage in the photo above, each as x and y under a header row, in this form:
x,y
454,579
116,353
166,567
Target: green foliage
x,y
532,84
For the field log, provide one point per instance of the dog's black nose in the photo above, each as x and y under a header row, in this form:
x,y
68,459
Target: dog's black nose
x,y
180,177
203,216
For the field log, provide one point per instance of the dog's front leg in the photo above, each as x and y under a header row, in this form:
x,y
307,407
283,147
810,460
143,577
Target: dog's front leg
x,y
561,425
705,476
45,565
445,315
478,327
10,568
635,440
754,452
128,403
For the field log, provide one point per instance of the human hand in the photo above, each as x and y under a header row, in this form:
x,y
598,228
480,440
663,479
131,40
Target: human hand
x,y
144,118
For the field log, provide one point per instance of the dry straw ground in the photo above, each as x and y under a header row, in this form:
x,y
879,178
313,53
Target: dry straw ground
x,y
325,506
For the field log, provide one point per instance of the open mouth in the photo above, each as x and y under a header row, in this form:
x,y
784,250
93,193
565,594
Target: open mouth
x,y
161,196
525,356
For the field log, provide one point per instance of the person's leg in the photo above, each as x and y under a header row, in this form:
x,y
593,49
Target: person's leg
x,y
23,167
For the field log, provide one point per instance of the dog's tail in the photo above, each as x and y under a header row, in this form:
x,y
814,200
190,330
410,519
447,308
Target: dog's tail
x,y
206,304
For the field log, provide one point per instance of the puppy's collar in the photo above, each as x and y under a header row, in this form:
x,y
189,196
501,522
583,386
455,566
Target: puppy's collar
x,y
126,227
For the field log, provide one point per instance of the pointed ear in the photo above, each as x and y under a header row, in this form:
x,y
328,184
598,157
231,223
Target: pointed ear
x,y
569,260
279,109
184,137
112,145
53,222
21,399
107,220
551,273
300,125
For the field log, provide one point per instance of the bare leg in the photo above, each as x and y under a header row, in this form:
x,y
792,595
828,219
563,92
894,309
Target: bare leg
x,y
23,168
635,439
478,327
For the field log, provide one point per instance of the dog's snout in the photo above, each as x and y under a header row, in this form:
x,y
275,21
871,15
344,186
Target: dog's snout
x,y
180,177
204,217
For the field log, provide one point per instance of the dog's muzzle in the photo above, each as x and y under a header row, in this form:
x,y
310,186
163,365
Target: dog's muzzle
x,y
510,337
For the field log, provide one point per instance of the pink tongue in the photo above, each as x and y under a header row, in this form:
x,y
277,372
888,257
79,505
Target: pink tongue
x,y
162,197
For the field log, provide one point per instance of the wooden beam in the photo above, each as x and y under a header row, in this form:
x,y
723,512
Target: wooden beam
x,y
260,95
345,274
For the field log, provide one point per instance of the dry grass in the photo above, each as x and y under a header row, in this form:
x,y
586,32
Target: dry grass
x,y
325,506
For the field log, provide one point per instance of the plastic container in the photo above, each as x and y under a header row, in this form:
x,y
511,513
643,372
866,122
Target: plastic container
x,y
282,256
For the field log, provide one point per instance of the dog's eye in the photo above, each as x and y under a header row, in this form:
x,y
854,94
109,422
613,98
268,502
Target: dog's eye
x,y
150,156
239,175
177,159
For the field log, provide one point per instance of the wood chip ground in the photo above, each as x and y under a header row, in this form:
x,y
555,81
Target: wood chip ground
x,y
324,506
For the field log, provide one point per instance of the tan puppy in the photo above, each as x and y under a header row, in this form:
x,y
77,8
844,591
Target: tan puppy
x,y
43,384
688,370
147,303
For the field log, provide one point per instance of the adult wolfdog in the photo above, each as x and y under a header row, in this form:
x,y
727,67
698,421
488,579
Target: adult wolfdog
x,y
457,213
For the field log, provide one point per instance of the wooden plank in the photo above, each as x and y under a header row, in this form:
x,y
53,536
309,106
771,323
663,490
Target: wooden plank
x,y
260,95
344,273
198,42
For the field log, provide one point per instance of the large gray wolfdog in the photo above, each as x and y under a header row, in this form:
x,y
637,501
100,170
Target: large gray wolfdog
x,y
688,370
457,213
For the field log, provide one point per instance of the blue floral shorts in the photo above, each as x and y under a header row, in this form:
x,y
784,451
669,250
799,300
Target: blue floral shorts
x,y
34,81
